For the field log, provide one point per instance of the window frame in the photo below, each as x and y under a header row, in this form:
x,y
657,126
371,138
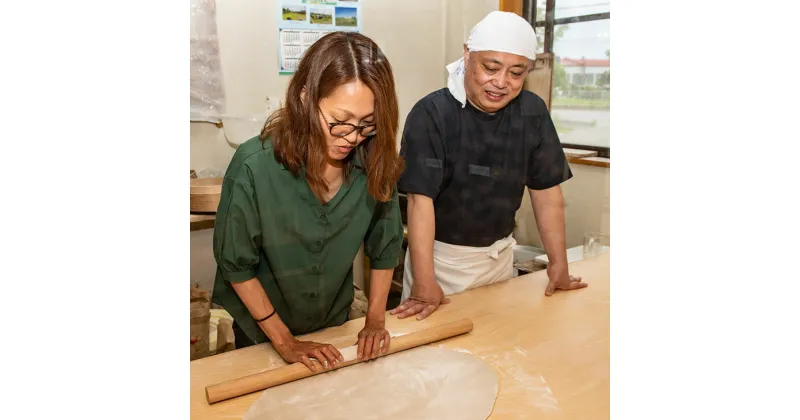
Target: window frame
x,y
549,23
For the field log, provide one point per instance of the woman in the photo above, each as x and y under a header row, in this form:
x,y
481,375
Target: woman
x,y
300,199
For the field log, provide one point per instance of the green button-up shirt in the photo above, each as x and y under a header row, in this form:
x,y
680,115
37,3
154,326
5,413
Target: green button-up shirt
x,y
270,225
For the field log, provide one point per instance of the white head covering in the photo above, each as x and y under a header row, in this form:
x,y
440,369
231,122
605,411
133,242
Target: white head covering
x,y
498,31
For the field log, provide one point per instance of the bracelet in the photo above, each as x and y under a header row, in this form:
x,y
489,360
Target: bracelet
x,y
258,321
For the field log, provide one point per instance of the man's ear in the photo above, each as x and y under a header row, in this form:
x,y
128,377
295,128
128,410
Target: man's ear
x,y
466,53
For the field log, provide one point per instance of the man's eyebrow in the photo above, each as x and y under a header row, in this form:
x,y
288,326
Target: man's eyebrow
x,y
496,61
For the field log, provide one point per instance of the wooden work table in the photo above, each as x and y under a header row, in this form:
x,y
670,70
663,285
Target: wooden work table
x,y
201,221
550,353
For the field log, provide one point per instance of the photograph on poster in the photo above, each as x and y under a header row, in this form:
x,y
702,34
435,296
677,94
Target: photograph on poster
x,y
346,16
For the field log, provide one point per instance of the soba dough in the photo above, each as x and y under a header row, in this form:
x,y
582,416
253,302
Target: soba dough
x,y
421,383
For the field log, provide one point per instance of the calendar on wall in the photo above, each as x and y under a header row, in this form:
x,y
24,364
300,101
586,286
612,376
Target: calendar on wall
x,y
303,22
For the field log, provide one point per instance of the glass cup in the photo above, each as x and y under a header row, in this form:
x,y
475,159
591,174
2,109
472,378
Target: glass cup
x,y
595,243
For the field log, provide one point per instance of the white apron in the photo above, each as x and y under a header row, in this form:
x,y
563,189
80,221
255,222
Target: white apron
x,y
458,268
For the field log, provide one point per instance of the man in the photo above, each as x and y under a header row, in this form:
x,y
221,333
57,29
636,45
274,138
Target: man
x,y
470,151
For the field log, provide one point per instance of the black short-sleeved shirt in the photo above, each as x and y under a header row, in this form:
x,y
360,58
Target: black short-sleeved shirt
x,y
475,165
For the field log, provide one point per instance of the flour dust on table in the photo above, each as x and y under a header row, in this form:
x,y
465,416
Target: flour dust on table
x,y
421,383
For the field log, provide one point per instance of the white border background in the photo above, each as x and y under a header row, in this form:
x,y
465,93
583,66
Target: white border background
x,y
704,210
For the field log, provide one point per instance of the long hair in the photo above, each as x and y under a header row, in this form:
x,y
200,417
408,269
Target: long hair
x,y
299,139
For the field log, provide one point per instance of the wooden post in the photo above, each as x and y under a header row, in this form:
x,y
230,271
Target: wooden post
x,y
540,80
513,6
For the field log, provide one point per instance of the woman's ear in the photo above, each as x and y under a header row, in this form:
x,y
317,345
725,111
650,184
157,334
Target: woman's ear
x,y
303,95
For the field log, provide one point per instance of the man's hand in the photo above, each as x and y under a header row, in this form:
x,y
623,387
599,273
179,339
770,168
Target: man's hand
x,y
426,294
560,279
424,300
369,339
293,350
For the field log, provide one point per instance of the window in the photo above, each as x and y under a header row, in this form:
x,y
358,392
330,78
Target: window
x,y
540,11
580,42
582,79
573,8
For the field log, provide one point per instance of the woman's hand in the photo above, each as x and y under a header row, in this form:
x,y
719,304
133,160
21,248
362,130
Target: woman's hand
x,y
369,339
293,350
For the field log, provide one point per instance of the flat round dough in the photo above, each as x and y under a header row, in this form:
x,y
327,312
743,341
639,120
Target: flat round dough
x,y
421,383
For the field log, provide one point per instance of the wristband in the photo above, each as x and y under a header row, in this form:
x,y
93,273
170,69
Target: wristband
x,y
266,317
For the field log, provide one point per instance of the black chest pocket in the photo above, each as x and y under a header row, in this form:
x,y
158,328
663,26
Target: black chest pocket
x,y
486,158
495,165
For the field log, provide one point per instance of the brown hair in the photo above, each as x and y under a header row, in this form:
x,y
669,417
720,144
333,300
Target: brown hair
x,y
297,136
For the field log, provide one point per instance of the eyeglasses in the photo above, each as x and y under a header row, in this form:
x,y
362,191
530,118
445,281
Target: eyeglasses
x,y
342,129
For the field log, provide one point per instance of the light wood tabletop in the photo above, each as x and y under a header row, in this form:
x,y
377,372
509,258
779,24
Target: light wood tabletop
x,y
550,353
201,221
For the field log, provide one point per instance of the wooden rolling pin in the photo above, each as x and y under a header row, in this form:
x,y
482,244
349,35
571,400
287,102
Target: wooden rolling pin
x,y
260,381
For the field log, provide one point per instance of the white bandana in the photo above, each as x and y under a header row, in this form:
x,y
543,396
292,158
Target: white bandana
x,y
498,31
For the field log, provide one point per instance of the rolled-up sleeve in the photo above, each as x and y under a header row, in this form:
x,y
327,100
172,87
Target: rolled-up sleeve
x,y
384,239
548,165
237,232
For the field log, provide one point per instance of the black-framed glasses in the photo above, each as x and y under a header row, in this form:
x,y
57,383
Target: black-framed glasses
x,y
343,129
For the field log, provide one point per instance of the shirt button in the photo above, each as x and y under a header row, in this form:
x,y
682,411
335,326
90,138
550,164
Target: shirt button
x,y
323,217
319,244
315,270
312,295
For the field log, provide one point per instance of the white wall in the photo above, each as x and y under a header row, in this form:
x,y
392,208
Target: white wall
x,y
210,151
460,17
419,37
586,200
